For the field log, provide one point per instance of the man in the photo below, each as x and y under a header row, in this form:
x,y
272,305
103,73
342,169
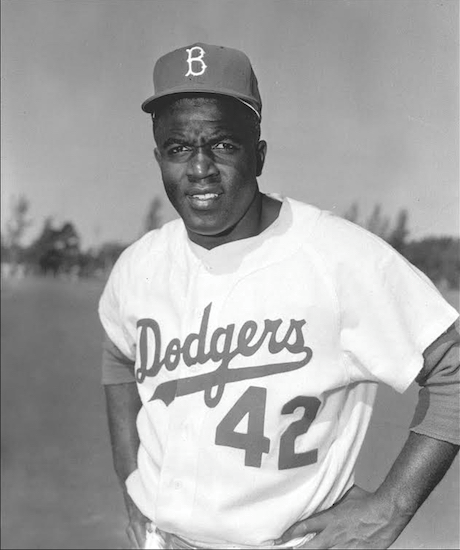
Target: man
x,y
245,342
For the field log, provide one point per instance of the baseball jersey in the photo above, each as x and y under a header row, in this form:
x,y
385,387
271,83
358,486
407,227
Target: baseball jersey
x,y
257,364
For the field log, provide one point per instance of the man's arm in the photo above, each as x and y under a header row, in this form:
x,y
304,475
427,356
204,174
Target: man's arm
x,y
123,405
375,520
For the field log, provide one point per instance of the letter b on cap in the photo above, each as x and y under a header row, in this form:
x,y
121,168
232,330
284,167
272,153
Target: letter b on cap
x,y
197,59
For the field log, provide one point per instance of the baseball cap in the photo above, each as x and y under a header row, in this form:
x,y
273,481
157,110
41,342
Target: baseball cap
x,y
204,68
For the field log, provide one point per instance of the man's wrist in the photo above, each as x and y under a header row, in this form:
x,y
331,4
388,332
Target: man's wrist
x,y
397,506
130,505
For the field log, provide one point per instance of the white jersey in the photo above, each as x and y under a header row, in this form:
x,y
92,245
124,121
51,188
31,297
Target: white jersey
x,y
257,365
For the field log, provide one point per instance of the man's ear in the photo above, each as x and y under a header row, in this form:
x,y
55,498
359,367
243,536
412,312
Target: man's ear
x,y
261,152
157,154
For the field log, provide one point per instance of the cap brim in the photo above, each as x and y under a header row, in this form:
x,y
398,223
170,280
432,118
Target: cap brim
x,y
148,104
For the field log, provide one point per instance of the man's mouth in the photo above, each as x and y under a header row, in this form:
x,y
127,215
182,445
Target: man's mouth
x,y
203,201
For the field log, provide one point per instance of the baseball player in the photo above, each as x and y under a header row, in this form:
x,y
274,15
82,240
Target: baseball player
x,y
246,339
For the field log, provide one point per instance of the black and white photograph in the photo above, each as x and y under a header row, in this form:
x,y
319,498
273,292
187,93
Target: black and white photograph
x,y
230,274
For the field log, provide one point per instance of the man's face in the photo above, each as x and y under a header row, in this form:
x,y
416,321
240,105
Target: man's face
x,y
209,159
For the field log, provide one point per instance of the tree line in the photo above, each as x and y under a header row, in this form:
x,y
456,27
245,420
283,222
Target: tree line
x,y
57,251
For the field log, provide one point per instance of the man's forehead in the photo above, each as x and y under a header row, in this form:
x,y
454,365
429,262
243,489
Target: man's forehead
x,y
194,128
206,117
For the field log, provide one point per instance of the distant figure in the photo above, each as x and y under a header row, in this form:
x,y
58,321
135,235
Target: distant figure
x,y
50,262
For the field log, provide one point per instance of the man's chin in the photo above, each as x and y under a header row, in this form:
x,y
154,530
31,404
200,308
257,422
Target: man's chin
x,y
209,236
208,232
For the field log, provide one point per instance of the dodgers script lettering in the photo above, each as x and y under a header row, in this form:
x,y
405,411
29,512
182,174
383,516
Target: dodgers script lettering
x,y
225,345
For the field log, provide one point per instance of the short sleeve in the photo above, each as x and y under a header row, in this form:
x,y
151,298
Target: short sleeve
x,y
111,310
390,313
116,367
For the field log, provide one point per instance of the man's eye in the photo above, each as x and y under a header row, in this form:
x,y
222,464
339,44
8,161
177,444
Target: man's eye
x,y
224,146
177,149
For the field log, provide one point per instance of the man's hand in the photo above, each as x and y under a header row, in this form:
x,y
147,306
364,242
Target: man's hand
x,y
138,524
359,520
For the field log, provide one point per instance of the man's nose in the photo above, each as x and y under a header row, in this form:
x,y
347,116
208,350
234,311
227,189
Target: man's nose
x,y
201,165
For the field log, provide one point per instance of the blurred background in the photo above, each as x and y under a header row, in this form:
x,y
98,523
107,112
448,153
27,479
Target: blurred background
x,y
360,112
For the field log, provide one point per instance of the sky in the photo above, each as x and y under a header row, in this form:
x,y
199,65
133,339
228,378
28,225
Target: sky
x,y
360,103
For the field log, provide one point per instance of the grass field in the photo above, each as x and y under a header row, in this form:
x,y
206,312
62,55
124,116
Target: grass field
x,y
58,486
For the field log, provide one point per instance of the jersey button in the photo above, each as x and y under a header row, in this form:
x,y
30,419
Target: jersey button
x,y
185,430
